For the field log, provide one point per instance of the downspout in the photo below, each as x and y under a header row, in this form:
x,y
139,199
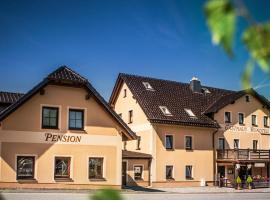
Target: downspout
x,y
214,156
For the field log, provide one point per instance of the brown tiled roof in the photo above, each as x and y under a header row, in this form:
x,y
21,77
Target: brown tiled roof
x,y
9,97
133,154
65,75
177,97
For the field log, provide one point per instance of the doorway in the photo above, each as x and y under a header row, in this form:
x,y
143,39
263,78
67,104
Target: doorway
x,y
124,173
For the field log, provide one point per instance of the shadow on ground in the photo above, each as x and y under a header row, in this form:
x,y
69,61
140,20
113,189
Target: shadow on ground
x,y
140,189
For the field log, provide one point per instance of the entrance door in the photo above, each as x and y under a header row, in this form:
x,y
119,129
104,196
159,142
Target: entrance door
x,y
221,171
243,173
124,173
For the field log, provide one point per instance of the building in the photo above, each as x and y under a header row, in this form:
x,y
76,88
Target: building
x,y
60,134
195,134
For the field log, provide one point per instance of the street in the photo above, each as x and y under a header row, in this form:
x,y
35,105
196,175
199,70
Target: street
x,y
138,196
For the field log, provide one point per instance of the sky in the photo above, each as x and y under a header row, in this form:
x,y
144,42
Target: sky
x,y
166,39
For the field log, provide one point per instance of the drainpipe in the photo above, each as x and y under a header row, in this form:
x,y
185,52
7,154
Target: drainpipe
x,y
214,156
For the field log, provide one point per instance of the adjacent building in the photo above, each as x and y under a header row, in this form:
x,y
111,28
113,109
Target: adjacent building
x,y
191,134
60,134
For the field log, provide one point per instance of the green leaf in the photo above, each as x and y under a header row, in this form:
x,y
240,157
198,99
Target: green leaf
x,y
257,41
246,77
221,19
107,194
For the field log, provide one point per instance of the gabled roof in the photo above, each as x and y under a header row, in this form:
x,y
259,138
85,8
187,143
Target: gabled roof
x,y
177,97
9,97
65,75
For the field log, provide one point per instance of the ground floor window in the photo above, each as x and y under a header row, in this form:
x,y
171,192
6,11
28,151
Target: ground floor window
x,y
62,167
169,172
189,174
95,168
138,170
25,167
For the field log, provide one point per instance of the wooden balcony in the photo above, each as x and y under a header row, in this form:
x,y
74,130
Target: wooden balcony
x,y
243,155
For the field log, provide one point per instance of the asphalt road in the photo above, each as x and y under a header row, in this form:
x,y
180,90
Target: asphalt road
x,y
138,196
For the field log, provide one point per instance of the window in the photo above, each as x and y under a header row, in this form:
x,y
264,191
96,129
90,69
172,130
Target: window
x,y
227,117
25,167
165,110
169,172
255,144
189,172
148,86
138,143
76,119
50,117
236,143
62,167
190,113
130,116
241,118
265,121
169,142
125,93
188,142
125,145
247,99
95,168
221,143
254,120
138,172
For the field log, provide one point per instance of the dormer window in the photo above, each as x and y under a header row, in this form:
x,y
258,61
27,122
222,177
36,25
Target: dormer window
x,y
247,99
165,110
206,91
190,113
148,86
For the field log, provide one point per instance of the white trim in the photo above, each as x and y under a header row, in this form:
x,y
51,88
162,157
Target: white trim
x,y
167,112
138,165
172,134
103,166
35,167
192,142
71,165
84,116
59,116
230,117
244,115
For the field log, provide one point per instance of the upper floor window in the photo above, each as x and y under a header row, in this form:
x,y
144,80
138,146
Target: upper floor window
x,y
125,93
165,110
255,144
76,119
148,86
138,143
189,174
241,118
95,168
62,167
254,120
265,121
236,143
50,117
188,142
130,116
169,172
221,143
227,117
247,98
169,141
25,167
190,113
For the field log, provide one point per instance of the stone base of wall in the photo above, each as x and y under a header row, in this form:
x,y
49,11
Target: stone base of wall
x,y
138,183
15,185
171,184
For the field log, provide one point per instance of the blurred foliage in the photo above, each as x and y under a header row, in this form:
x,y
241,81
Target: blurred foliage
x,y
221,17
106,194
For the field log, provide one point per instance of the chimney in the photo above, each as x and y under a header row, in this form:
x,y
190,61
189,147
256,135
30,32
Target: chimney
x,y
195,85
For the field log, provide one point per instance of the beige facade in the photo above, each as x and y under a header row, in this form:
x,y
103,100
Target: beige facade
x,y
22,134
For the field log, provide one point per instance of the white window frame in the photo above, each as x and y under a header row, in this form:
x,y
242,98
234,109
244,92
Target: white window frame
x,y
84,117
192,142
164,113
35,167
71,166
59,116
230,117
190,113
192,172
150,88
173,147
103,167
138,165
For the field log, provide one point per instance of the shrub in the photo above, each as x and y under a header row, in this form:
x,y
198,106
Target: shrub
x,y
249,180
238,180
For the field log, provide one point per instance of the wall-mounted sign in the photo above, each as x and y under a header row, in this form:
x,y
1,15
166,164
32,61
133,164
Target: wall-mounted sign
x,y
259,165
234,128
50,137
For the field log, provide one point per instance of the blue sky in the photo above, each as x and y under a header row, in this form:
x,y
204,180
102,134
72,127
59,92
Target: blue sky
x,y
98,39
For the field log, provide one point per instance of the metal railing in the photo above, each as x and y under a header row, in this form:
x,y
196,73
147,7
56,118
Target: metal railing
x,y
243,154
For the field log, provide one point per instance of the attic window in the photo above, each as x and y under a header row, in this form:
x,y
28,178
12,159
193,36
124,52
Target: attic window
x,y
190,113
247,99
148,86
165,110
206,91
